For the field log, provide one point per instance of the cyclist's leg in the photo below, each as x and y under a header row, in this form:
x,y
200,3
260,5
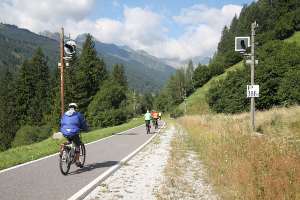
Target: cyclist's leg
x,y
147,123
77,142
65,143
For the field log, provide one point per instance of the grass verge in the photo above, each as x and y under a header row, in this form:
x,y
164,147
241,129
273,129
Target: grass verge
x,y
50,146
196,103
243,165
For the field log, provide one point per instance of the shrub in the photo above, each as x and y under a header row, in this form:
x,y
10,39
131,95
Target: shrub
x,y
289,89
176,113
31,134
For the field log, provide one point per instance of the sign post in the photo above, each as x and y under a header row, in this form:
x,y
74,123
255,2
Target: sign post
x,y
241,45
252,116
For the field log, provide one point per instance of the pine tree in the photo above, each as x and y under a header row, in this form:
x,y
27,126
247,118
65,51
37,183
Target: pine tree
x,y
25,91
70,81
42,87
90,73
189,78
118,74
33,90
8,119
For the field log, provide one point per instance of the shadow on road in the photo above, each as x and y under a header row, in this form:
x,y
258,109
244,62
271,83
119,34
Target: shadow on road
x,y
90,167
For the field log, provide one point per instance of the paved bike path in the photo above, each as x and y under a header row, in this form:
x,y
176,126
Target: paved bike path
x,y
43,179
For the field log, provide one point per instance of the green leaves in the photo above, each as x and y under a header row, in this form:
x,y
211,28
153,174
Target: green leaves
x,y
108,106
277,74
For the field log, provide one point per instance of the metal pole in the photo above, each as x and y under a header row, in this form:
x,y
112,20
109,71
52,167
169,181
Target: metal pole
x,y
252,115
62,65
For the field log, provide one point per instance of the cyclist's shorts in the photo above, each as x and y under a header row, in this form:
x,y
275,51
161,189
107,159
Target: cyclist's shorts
x,y
75,139
147,122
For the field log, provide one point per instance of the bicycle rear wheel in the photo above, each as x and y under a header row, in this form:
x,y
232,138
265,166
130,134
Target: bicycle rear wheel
x,y
82,155
64,162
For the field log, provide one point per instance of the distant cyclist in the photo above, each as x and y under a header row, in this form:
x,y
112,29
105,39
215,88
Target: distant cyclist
x,y
159,115
70,125
148,118
155,118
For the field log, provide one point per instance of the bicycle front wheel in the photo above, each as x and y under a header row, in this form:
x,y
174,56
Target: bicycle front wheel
x,y
64,162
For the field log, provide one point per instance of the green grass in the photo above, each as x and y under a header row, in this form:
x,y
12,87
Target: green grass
x,y
294,38
196,103
50,146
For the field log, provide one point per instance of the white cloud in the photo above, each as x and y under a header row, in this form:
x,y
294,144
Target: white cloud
x,y
140,28
203,26
38,15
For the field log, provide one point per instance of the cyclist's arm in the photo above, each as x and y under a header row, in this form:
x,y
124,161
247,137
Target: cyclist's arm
x,y
83,124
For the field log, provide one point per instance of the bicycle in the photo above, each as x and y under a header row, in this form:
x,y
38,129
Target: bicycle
x,y
67,156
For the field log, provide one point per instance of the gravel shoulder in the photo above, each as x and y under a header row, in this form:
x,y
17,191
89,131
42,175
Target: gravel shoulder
x,y
164,169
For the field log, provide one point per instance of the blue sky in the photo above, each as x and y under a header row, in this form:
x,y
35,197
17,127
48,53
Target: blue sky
x,y
114,9
169,29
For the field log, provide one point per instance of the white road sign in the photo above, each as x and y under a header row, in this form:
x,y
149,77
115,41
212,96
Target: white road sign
x,y
252,91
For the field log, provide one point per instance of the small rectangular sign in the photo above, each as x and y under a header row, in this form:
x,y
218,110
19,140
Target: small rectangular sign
x,y
252,91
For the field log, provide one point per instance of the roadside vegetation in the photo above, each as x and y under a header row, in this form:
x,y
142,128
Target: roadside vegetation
x,y
197,102
184,174
22,154
246,165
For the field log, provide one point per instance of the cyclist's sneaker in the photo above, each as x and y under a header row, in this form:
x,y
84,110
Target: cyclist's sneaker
x,y
78,164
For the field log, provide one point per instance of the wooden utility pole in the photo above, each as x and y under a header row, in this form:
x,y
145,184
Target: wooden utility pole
x,y
185,106
134,103
62,65
252,115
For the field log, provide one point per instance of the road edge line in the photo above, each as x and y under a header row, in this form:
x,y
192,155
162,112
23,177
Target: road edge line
x,y
83,192
49,156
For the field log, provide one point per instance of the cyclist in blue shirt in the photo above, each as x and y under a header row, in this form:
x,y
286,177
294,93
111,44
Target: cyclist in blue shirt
x,y
70,125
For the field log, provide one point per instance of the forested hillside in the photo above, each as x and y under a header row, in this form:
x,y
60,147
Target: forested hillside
x,y
277,71
17,45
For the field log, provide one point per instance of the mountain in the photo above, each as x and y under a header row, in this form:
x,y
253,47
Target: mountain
x,y
180,63
17,45
145,73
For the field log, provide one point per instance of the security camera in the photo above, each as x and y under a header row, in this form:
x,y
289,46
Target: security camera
x,y
70,47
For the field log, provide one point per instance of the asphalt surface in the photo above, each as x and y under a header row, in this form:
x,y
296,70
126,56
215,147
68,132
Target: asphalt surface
x,y
43,179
